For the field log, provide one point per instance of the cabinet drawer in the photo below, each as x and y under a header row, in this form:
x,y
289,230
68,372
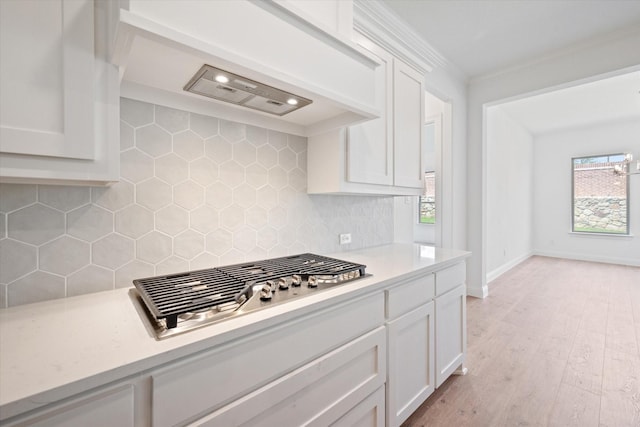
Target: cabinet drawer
x,y
451,277
204,383
369,413
316,394
409,295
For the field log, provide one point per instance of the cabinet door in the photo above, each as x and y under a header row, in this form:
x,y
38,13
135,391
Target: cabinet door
x,y
370,144
408,113
46,78
410,377
451,332
368,413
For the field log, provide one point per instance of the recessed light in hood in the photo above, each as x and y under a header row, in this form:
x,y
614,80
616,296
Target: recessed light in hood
x,y
229,87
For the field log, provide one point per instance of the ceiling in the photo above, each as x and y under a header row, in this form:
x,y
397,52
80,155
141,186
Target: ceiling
x,y
483,36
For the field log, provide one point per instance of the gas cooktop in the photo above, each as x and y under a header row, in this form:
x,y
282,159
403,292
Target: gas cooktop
x,y
181,302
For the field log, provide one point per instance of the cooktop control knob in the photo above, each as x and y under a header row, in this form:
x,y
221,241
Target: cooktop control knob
x,y
265,292
283,284
312,282
296,280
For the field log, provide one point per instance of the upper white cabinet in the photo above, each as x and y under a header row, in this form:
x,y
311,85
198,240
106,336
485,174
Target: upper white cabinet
x,y
59,97
380,156
296,46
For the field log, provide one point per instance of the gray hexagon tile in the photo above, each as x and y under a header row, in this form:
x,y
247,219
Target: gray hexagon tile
x,y
134,270
219,195
127,136
153,140
231,173
114,197
233,256
89,279
244,153
218,149
278,177
287,195
256,217
135,165
257,254
204,260
172,169
153,194
244,239
171,265
256,175
218,242
203,171
257,136
277,139
89,223
188,195
172,120
3,223
136,113
188,244
172,220
278,217
297,143
287,159
204,219
153,247
16,260
267,197
267,156
302,161
232,131
16,196
63,198
298,180
63,256
188,145
244,196
112,251
35,224
37,286
3,296
232,218
204,126
134,221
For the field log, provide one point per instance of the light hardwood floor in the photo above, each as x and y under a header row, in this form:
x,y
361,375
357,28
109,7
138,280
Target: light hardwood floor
x,y
554,344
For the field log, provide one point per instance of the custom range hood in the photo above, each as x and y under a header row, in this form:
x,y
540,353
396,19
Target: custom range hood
x,y
170,53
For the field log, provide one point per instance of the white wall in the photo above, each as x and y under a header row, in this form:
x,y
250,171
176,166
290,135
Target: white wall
x,y
582,63
509,192
552,193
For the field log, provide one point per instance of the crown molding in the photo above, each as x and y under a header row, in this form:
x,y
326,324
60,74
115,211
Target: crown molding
x,y
376,21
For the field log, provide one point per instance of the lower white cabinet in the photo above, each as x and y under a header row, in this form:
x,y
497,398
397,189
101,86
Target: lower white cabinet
x,y
411,362
451,332
368,413
110,407
317,394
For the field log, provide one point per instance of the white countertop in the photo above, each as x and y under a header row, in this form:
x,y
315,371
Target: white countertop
x,y
55,349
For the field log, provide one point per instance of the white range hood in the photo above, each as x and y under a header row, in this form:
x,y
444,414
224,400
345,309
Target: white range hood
x,y
161,45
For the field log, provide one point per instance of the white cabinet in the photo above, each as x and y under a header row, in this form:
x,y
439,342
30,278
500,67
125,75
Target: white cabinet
x,y
368,413
451,321
411,340
411,363
379,156
317,394
59,97
115,406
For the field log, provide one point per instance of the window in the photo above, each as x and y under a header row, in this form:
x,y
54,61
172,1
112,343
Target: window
x,y
600,195
427,203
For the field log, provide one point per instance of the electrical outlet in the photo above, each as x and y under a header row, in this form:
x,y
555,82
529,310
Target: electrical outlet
x,y
345,239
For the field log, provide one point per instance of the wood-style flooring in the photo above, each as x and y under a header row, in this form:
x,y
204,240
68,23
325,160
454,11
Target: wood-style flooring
x,y
554,344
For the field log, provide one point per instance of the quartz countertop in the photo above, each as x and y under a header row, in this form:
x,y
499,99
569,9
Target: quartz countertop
x,y
55,349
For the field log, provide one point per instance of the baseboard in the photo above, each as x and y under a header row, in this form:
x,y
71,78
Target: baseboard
x,y
591,258
481,292
494,274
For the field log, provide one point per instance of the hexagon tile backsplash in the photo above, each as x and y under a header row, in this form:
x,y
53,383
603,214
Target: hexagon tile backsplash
x,y
195,192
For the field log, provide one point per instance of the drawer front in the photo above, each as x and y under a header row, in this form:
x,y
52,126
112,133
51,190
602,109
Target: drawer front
x,y
204,383
451,277
316,394
369,413
409,295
